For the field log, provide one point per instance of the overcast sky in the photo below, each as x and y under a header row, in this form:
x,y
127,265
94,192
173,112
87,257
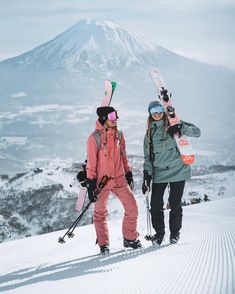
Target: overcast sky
x,y
200,29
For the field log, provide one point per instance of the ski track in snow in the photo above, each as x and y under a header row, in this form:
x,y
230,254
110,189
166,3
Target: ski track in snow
x,y
203,261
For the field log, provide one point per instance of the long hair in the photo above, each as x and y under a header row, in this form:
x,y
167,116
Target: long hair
x,y
149,135
150,119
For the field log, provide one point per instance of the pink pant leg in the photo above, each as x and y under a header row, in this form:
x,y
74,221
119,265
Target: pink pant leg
x,y
100,218
129,224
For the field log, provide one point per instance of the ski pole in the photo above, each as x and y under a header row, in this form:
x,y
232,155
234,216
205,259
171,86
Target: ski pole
x,y
148,237
69,232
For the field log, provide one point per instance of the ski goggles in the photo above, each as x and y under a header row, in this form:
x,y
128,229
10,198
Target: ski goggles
x,y
156,109
113,116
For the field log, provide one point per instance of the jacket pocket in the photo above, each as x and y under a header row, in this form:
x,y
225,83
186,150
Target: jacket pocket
x,y
167,159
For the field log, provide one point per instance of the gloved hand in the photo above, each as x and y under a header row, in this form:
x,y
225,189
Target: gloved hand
x,y
91,186
144,188
146,182
171,130
81,177
129,178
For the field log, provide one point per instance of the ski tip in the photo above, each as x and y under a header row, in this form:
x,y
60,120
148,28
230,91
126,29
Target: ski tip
x,y
154,70
114,85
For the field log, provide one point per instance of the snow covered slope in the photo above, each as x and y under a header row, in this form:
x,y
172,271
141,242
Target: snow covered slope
x,y
42,200
202,262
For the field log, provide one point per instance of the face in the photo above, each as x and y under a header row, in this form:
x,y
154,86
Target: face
x,y
157,116
157,112
111,122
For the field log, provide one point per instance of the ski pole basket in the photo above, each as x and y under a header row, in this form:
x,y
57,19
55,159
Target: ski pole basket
x,y
69,232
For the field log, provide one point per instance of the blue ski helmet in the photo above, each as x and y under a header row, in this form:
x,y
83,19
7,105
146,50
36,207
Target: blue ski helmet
x,y
155,107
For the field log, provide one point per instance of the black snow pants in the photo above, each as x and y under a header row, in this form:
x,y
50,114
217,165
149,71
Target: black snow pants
x,y
157,213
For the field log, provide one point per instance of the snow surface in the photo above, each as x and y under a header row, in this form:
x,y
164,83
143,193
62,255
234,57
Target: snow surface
x,y
202,262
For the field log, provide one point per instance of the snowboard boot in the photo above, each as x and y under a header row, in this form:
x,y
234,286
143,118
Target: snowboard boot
x,y
174,238
104,249
157,238
135,244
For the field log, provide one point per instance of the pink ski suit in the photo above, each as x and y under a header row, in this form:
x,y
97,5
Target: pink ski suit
x,y
110,159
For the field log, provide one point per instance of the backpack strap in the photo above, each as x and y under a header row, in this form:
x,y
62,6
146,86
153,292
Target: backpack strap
x,y
120,134
96,134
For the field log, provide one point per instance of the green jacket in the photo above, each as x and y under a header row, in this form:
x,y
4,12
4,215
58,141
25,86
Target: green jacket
x,y
165,165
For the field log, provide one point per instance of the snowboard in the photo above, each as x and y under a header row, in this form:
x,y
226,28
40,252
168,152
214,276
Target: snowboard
x,y
183,143
109,88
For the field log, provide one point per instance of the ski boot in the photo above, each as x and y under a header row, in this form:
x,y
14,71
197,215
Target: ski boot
x,y
135,244
104,249
157,238
174,238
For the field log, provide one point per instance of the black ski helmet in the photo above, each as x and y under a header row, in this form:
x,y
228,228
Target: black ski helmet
x,y
103,112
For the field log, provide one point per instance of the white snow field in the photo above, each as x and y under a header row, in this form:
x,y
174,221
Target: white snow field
x,y
203,261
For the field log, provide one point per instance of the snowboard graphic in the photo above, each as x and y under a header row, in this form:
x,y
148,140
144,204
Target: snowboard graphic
x,y
183,144
109,88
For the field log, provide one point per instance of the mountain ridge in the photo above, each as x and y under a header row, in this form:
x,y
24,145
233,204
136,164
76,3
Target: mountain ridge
x,y
70,74
83,39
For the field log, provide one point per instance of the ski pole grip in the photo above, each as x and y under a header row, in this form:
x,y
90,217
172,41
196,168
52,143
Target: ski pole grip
x,y
104,181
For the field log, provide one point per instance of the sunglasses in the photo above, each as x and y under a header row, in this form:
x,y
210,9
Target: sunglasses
x,y
113,116
157,109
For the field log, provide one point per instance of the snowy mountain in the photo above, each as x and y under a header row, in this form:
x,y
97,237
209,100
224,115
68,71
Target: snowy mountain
x,y
49,95
88,44
202,262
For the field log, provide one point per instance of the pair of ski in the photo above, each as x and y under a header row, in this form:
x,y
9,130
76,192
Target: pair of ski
x,y
183,143
109,88
79,206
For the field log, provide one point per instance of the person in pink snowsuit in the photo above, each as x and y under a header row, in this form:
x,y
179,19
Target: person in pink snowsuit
x,y
108,157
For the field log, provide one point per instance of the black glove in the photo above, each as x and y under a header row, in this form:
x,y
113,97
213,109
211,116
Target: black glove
x,y
146,182
129,178
81,177
144,188
171,130
91,186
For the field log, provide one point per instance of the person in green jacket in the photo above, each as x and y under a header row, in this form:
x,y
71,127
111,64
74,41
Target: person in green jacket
x,y
162,166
